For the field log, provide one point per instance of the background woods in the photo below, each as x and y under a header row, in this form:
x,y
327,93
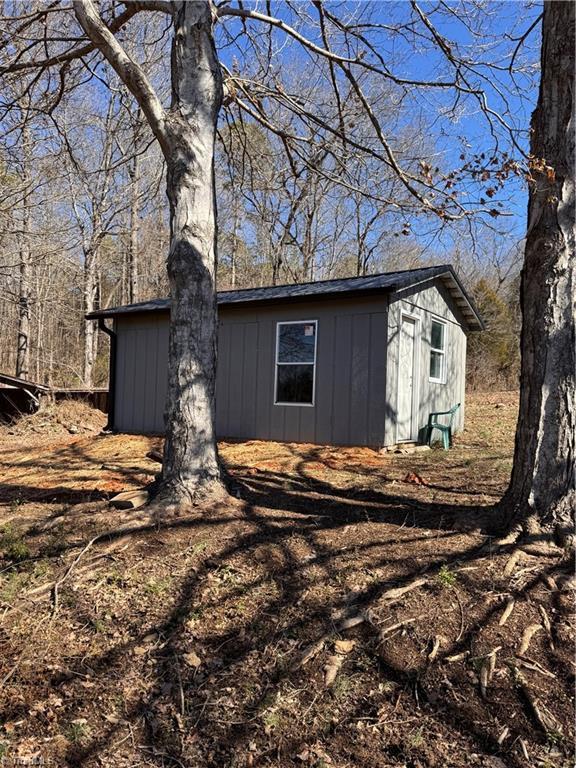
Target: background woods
x,y
302,187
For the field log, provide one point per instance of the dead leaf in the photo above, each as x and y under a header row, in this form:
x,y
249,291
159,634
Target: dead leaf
x,y
344,646
414,477
192,659
331,668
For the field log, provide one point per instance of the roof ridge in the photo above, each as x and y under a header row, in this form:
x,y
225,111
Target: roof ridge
x,y
339,279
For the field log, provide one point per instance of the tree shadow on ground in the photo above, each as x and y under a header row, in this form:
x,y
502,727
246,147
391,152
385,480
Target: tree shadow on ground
x,y
299,544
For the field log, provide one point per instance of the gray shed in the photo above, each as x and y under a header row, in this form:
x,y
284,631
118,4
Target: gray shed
x,y
359,361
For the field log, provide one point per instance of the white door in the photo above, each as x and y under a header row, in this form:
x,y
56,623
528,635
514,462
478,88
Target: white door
x,y
406,383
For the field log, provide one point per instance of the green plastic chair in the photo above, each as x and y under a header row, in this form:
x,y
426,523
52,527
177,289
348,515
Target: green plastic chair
x,y
445,429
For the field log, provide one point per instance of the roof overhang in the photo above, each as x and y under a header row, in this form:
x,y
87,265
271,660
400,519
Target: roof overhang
x,y
459,296
327,289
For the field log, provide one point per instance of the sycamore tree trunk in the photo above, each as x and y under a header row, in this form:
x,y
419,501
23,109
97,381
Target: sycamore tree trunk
x,y
542,494
191,467
186,133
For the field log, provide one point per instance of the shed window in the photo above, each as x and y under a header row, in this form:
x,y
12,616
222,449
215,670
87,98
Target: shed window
x,y
295,363
438,352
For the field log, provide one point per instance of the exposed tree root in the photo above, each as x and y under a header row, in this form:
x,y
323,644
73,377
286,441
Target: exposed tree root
x,y
543,717
547,625
527,636
166,505
506,612
349,621
487,671
525,529
534,666
487,662
155,455
436,643
514,559
457,657
331,668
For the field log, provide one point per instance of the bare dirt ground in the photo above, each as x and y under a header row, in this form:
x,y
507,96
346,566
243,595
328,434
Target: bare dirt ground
x,y
344,611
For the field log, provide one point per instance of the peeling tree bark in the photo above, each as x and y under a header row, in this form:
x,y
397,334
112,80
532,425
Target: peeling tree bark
x,y
191,463
186,133
542,491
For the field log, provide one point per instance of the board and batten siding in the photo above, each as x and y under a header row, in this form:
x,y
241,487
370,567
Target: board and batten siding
x,y
141,373
426,302
350,378
350,405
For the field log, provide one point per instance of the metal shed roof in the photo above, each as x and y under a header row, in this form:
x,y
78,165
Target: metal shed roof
x,y
351,286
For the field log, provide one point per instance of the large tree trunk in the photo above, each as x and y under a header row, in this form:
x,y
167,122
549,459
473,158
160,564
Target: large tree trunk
x,y
191,467
542,491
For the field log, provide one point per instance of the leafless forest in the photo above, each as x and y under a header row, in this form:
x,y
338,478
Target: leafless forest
x,y
84,214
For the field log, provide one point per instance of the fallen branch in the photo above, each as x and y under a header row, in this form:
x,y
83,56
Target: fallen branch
x,y
543,717
104,535
398,625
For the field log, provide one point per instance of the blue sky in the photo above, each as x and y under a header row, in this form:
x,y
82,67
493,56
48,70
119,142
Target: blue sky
x,y
489,39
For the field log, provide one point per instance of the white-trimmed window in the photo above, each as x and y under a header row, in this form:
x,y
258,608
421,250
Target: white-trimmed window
x,y
438,351
295,362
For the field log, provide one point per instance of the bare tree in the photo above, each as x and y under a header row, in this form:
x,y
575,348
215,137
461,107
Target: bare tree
x,y
24,297
357,81
93,162
542,492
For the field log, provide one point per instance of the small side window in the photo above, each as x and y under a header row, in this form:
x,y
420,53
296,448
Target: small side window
x,y
295,363
438,352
